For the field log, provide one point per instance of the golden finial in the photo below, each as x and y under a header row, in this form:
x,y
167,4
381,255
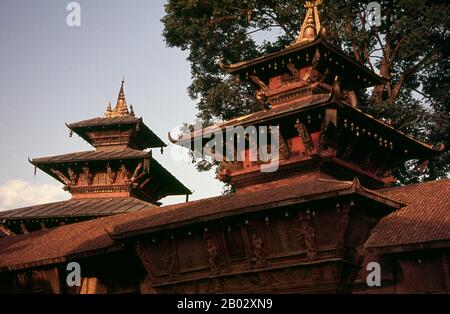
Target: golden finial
x,y
121,108
311,24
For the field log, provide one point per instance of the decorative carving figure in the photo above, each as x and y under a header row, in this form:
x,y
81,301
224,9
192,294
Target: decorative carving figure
x,y
257,247
110,176
258,250
217,285
316,274
342,228
314,75
213,253
72,176
336,88
306,234
293,70
88,175
125,174
170,260
305,137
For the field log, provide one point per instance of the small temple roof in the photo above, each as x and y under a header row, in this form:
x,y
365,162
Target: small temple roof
x,y
342,62
310,41
116,118
96,236
425,220
78,208
171,185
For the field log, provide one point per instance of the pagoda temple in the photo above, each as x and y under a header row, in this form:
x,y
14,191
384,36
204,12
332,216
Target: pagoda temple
x,y
308,90
118,176
313,225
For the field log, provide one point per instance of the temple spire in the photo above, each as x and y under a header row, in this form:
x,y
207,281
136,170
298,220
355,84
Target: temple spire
x,y
121,108
311,25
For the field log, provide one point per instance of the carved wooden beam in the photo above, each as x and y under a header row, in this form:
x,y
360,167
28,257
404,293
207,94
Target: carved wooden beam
x,y
255,79
136,172
61,176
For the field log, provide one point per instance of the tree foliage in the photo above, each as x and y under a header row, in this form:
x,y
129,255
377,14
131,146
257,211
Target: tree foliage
x,y
409,48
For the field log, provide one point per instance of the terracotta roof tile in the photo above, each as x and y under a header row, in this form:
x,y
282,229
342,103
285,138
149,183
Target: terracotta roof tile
x,y
54,245
77,208
225,205
104,121
426,217
57,244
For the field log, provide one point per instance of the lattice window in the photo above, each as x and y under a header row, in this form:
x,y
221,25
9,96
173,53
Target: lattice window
x,y
235,244
433,280
282,236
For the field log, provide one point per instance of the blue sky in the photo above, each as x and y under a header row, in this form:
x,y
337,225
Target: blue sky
x,y
51,73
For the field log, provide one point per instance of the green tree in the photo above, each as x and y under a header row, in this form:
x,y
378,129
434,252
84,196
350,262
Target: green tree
x,y
409,48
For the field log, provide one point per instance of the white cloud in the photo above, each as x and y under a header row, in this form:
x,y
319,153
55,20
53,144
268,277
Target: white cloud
x,y
19,193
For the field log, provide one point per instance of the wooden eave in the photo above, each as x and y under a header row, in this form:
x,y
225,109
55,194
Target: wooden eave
x,y
352,189
409,247
146,138
416,148
254,67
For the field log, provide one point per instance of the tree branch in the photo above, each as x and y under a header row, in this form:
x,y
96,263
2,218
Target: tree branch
x,y
410,72
277,20
394,53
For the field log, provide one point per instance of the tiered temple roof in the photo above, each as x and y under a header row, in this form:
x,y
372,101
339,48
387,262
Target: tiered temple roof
x,y
118,176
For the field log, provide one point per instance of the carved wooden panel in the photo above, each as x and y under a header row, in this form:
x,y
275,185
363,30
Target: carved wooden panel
x,y
192,252
282,237
161,256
